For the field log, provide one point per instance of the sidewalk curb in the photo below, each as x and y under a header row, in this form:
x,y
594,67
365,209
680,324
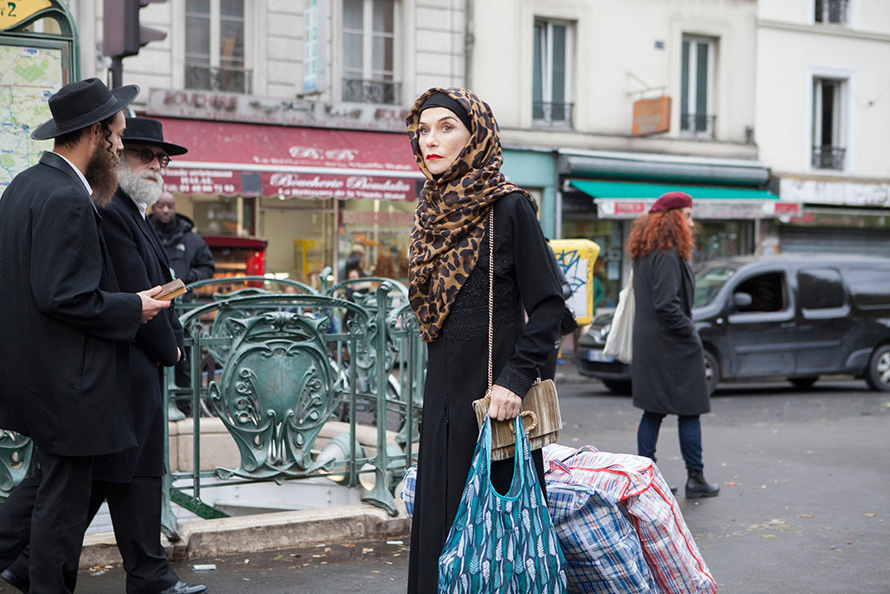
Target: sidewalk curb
x,y
246,534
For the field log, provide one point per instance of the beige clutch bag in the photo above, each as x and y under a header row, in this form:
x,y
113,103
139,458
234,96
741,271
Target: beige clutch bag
x,y
540,417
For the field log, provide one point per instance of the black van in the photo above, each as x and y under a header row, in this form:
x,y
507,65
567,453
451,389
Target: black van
x,y
790,316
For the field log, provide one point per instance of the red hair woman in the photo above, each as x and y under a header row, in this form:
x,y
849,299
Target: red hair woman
x,y
668,361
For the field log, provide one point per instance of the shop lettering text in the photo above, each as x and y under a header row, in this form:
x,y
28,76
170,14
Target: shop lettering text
x,y
309,152
295,185
233,107
200,181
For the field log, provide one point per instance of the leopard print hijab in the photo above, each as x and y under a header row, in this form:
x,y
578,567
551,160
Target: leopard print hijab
x,y
449,221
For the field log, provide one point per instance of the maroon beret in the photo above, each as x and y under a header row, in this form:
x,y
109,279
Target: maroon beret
x,y
672,200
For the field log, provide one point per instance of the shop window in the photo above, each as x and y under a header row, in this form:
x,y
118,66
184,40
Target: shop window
x,y
719,239
214,46
832,11
829,150
551,84
374,236
767,293
369,41
697,87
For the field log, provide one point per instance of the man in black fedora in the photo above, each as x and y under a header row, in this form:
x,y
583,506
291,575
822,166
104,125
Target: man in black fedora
x,y
65,326
130,481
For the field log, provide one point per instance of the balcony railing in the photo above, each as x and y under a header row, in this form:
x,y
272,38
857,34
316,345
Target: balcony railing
x,y
828,157
556,115
698,125
230,80
832,11
370,91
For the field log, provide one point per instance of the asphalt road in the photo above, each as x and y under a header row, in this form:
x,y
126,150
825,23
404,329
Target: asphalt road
x,y
804,508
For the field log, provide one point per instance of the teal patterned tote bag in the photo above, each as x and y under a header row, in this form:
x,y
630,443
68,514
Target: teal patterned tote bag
x,y
502,543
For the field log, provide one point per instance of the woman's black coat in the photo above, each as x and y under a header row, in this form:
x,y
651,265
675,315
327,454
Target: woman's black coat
x,y
668,362
525,281
140,263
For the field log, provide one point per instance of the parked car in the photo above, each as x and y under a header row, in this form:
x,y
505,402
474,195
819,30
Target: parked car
x,y
796,317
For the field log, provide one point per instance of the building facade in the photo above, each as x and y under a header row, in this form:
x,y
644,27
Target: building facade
x,y
294,115
628,100
823,116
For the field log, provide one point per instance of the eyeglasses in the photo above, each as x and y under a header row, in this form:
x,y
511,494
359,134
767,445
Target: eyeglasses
x,y
147,156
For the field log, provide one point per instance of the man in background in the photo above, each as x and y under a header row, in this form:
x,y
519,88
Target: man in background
x,y
188,254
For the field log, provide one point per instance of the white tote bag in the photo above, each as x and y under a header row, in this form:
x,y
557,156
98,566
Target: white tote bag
x,y
619,343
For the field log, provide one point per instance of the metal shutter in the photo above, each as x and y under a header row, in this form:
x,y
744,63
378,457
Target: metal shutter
x,y
861,242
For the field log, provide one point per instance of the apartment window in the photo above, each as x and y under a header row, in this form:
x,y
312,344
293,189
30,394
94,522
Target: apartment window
x,y
369,51
832,11
697,87
214,46
551,88
829,139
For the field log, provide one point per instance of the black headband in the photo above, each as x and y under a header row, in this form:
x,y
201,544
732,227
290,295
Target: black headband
x,y
443,100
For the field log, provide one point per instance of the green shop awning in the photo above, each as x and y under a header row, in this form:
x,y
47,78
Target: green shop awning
x,y
627,200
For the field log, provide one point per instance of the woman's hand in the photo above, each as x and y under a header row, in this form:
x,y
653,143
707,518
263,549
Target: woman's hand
x,y
504,403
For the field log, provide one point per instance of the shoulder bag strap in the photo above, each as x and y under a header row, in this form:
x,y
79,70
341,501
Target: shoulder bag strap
x,y
490,292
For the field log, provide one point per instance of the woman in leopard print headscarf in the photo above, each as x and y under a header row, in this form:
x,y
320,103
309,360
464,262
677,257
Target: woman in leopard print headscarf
x,y
457,146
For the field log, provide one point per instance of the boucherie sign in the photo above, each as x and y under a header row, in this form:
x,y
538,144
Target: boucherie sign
x,y
289,162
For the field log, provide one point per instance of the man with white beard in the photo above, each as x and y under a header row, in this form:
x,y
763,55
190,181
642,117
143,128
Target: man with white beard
x,y
130,481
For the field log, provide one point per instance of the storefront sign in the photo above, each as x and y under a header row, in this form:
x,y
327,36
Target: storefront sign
x,y
651,116
301,185
704,209
846,193
202,181
232,107
288,185
252,147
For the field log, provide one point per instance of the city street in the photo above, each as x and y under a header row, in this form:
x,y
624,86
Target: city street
x,y
803,508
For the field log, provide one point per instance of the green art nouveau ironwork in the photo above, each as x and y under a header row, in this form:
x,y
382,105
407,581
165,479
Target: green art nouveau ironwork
x,y
16,457
277,390
288,364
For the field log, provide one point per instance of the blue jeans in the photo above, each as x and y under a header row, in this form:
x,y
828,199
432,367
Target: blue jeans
x,y
690,438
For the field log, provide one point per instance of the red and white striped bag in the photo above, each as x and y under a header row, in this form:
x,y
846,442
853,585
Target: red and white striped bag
x,y
670,551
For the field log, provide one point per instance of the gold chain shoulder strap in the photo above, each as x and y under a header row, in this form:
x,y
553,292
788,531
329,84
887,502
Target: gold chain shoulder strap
x,y
490,292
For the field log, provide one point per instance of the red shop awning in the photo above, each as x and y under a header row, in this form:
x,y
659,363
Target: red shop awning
x,y
289,162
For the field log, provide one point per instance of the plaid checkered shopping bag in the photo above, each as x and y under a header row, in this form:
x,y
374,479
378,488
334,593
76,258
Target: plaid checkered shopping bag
x,y
674,560
602,550
502,544
409,484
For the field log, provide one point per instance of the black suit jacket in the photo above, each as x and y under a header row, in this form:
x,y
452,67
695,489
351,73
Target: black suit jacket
x,y
64,327
140,263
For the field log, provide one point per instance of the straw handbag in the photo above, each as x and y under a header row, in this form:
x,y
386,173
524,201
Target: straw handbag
x,y
540,407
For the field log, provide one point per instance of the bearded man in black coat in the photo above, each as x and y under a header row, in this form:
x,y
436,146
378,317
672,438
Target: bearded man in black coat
x,y
65,324
130,481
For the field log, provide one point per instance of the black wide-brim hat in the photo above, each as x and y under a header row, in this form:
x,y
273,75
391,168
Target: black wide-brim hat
x,y
149,131
83,103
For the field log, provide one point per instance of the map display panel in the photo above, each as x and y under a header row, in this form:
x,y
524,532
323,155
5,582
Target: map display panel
x,y
28,76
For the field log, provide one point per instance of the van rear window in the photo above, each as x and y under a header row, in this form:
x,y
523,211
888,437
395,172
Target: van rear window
x,y
870,287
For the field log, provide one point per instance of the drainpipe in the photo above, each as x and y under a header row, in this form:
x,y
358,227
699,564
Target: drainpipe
x,y
469,43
